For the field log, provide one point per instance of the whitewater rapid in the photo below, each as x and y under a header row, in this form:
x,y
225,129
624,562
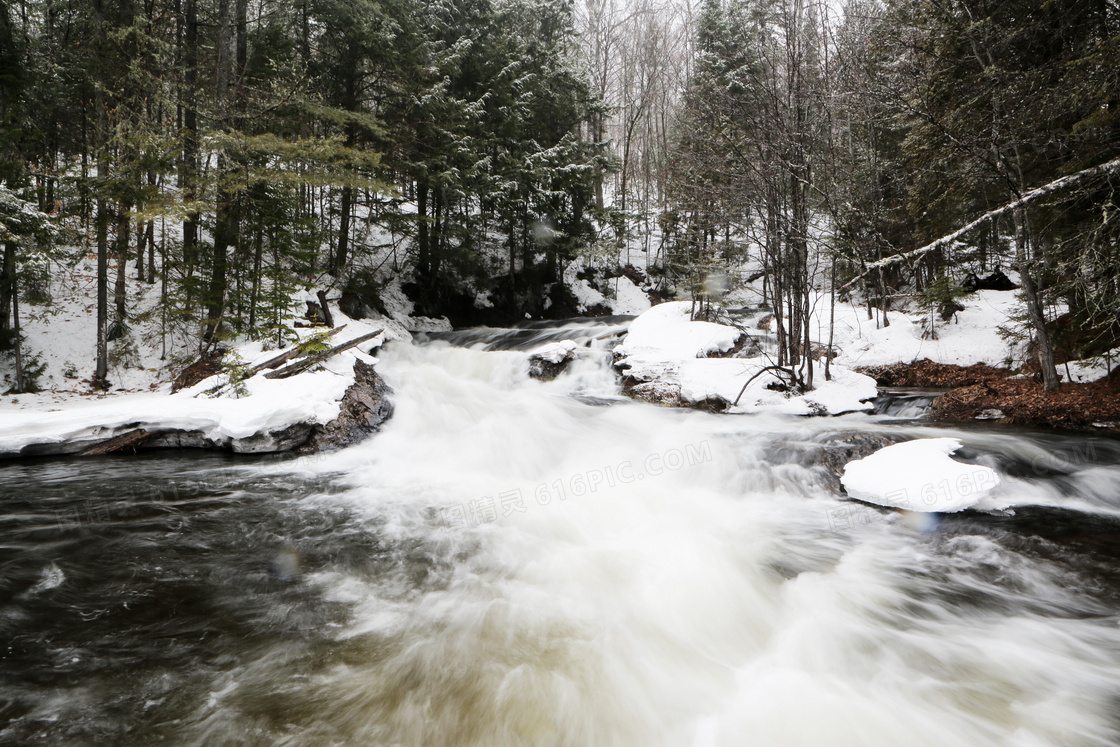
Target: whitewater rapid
x,y
516,562
630,575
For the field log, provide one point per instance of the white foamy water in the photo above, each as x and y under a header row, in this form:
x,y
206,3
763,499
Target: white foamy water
x,y
630,575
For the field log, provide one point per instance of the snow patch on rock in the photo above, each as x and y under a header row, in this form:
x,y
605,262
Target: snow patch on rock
x,y
554,352
919,476
668,330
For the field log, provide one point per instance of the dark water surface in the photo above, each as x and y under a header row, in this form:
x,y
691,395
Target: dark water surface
x,y
128,585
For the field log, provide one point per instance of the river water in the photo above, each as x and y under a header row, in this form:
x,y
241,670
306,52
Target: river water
x,y
511,562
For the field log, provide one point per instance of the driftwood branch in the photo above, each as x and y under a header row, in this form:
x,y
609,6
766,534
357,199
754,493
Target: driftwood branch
x,y
1035,194
286,356
306,363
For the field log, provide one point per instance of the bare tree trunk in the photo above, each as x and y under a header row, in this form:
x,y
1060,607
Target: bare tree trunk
x,y
423,249
343,245
255,293
120,288
188,174
884,299
150,238
1046,364
831,322
100,376
7,284
20,383
225,219
141,234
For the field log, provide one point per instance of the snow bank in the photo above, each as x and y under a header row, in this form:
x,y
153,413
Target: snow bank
x,y
668,330
628,298
272,406
268,406
919,476
400,310
664,346
972,336
585,295
1092,369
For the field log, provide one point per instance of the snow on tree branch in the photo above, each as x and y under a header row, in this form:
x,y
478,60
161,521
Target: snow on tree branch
x,y
1064,182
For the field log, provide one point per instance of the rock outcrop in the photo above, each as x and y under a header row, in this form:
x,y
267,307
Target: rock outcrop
x,y
828,454
365,406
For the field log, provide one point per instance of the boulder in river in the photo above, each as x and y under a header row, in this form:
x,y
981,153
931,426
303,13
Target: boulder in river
x,y
549,361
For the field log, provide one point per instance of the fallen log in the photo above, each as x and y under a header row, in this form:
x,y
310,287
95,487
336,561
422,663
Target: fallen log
x,y
129,441
286,356
306,363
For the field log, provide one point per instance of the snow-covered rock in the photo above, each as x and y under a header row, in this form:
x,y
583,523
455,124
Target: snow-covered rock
x,y
555,352
919,476
668,330
547,361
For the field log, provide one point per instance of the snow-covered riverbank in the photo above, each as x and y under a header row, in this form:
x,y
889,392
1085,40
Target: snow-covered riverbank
x,y
668,358
259,414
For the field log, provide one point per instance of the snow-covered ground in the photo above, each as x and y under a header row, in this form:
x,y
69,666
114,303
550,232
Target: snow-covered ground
x,y
1092,369
666,347
61,335
971,336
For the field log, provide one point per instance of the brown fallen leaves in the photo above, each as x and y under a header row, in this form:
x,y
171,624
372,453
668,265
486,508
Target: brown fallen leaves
x,y
1023,401
928,374
983,392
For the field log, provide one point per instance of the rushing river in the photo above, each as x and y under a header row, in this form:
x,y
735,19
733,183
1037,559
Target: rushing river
x,y
511,562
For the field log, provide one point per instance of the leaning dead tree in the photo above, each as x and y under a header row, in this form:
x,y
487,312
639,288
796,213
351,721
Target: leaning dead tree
x,y
1027,198
306,363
